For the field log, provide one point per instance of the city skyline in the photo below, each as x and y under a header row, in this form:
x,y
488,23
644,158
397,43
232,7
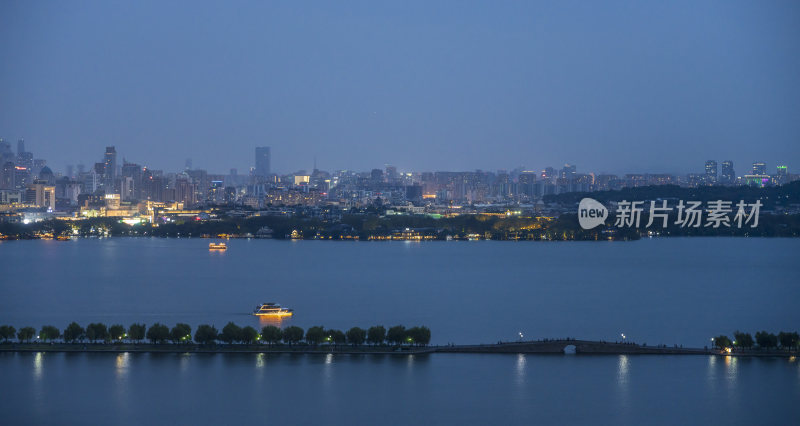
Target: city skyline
x,y
612,87
694,166
27,181
451,205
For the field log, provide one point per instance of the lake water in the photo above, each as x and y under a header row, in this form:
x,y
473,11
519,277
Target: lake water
x,y
671,291
462,389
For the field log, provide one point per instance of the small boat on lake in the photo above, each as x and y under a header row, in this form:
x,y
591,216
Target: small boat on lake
x,y
272,310
217,246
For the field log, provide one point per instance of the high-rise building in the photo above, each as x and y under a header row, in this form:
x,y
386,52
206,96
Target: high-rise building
x,y
21,146
568,172
25,159
8,176
728,175
548,174
263,158
711,172
110,161
91,182
185,191
759,168
782,175
126,188
6,154
526,183
40,194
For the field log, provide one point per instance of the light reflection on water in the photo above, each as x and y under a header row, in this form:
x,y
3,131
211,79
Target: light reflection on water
x,y
184,358
38,366
623,385
490,389
327,371
122,365
711,372
622,369
260,361
276,321
122,369
731,369
519,377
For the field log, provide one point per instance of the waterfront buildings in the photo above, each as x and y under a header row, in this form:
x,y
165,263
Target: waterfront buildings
x,y
40,194
133,191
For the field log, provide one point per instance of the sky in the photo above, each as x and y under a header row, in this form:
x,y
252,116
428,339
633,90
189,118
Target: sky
x,y
612,86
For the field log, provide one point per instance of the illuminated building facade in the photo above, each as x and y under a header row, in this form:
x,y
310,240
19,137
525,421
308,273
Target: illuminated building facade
x,y
40,194
759,168
711,172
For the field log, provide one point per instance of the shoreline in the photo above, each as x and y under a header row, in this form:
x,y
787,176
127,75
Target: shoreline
x,y
551,347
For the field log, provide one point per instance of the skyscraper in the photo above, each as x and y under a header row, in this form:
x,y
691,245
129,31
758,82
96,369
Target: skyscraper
x,y
759,168
711,172
24,158
263,161
8,175
110,169
527,181
5,152
728,175
110,160
568,172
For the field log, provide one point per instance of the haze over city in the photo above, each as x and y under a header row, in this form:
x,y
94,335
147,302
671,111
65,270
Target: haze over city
x,y
351,212
614,87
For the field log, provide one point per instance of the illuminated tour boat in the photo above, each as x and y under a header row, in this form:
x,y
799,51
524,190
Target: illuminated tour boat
x,y
217,246
272,310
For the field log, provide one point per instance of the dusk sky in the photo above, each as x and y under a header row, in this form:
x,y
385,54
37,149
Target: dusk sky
x,y
610,86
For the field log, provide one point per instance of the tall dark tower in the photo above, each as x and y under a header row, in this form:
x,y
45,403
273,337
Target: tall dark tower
x,y
263,158
110,160
20,146
110,170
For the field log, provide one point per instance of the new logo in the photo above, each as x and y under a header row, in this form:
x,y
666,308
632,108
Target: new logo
x,y
591,213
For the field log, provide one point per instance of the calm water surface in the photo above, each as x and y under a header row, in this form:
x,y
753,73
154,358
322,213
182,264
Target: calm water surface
x,y
655,291
135,389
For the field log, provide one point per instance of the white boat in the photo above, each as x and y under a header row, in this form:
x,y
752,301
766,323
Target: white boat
x,y
272,310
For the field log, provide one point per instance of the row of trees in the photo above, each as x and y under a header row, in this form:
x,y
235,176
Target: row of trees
x,y
231,333
784,340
